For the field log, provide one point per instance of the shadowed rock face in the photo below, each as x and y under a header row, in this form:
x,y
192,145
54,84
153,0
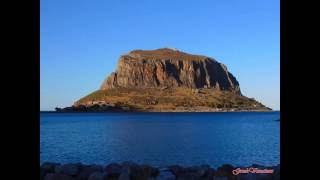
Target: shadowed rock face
x,y
170,68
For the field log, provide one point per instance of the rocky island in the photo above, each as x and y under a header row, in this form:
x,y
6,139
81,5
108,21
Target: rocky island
x,y
167,80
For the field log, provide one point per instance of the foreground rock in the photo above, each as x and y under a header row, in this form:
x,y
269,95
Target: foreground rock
x,y
133,171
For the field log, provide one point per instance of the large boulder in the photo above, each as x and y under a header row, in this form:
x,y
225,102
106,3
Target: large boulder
x,y
165,174
189,176
142,172
221,178
98,176
42,173
114,170
200,170
58,176
192,173
209,174
177,170
225,171
86,171
125,174
68,169
276,172
49,167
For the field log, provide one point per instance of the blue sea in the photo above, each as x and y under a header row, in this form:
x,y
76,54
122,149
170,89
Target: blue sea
x,y
161,139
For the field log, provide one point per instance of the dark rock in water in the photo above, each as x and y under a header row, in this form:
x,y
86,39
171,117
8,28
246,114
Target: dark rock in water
x,y
113,170
209,174
188,176
68,169
42,173
49,167
201,170
225,171
57,176
276,168
86,171
264,176
134,171
247,176
126,169
176,170
98,176
165,174
221,178
125,175
194,172
277,120
142,172
150,171
276,173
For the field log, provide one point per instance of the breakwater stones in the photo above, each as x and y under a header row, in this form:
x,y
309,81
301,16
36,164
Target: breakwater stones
x,y
133,171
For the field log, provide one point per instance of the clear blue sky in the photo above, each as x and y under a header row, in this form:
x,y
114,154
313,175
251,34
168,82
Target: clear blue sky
x,y
81,40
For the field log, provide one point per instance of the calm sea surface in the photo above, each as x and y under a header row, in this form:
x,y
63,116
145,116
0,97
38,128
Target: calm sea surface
x,y
160,139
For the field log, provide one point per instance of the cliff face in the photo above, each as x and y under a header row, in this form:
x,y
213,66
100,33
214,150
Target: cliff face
x,y
170,68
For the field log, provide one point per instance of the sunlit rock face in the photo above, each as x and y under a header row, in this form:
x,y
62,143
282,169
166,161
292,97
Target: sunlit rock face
x,y
170,68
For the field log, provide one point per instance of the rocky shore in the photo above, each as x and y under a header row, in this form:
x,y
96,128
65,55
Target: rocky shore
x,y
133,171
106,108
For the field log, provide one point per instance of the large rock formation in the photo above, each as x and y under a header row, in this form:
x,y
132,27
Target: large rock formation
x,y
166,80
170,68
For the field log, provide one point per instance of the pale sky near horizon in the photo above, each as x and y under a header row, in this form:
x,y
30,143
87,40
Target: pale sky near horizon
x,y
81,41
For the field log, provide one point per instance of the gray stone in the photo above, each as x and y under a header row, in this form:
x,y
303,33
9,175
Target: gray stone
x,y
177,170
140,172
42,173
209,174
276,172
68,169
225,170
188,176
247,176
201,170
220,178
166,175
57,176
87,171
49,167
125,175
113,170
264,176
98,176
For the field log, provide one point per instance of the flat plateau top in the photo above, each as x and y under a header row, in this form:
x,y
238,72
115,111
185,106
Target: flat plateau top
x,y
163,53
